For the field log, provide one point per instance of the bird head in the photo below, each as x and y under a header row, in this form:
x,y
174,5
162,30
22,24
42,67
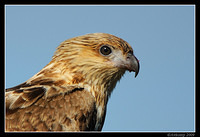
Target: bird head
x,y
97,52
100,59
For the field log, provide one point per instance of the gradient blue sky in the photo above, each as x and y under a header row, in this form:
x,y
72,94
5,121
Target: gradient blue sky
x,y
161,98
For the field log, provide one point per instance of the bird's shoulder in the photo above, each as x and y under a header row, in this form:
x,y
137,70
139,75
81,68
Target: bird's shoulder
x,y
42,106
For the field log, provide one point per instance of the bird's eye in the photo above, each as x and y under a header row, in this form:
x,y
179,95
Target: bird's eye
x,y
105,50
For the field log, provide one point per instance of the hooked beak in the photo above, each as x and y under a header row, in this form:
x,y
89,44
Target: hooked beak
x,y
132,64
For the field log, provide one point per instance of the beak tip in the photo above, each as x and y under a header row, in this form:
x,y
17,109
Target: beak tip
x,y
136,73
138,68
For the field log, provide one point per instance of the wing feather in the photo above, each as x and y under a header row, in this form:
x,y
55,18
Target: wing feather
x,y
44,108
21,98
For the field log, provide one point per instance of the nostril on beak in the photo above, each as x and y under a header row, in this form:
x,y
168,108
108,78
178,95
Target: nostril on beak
x,y
129,55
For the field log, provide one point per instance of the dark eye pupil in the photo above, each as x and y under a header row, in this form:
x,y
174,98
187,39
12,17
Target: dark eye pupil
x,y
105,50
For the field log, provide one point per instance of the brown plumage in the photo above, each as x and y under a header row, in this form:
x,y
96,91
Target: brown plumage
x,y
71,92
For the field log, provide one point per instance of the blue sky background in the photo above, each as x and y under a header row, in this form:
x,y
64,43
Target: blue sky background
x,y
161,98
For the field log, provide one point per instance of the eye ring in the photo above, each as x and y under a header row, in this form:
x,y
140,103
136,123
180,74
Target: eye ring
x,y
105,50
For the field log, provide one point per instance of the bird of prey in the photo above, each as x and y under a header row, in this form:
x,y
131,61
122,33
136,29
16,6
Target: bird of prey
x,y
71,92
